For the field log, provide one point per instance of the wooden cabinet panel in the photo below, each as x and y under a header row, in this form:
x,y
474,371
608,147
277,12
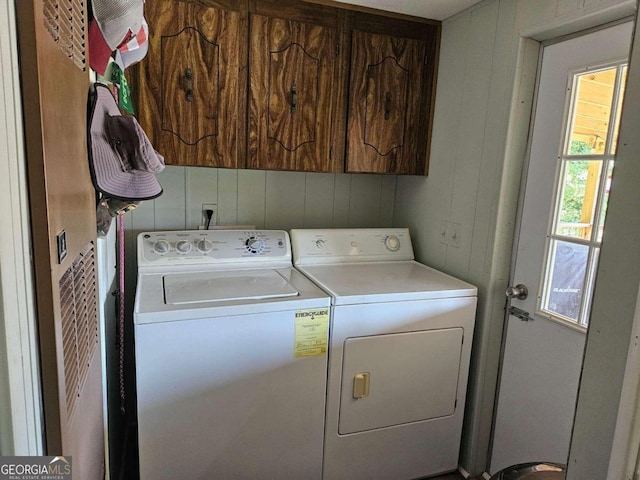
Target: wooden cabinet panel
x,y
292,95
390,95
296,90
386,105
190,95
192,83
268,80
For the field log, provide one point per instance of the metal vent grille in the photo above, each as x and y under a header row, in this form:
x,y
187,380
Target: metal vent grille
x,y
78,300
65,22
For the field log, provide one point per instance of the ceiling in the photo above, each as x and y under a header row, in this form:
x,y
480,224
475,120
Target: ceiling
x,y
433,9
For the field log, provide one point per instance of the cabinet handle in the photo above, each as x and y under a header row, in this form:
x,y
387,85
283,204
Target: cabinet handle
x,y
387,105
188,85
294,99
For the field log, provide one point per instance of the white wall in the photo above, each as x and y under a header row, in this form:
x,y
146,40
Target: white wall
x,y
114,424
267,199
483,102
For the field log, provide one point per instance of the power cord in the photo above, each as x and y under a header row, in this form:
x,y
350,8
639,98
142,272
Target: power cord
x,y
209,214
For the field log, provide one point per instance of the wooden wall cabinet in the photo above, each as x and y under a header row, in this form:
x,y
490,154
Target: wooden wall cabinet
x,y
192,85
288,84
391,94
296,87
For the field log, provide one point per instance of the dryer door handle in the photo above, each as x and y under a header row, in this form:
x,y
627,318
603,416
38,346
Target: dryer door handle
x,y
361,385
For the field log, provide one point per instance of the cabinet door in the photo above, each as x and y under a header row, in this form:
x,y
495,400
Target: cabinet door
x,y
191,91
388,126
296,87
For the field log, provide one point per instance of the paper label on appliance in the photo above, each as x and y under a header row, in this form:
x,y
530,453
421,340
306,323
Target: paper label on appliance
x,y
311,332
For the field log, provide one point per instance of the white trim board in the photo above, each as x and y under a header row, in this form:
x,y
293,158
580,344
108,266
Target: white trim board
x,y
626,440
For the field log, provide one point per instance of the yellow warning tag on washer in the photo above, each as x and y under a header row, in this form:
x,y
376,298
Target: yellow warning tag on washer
x,y
311,332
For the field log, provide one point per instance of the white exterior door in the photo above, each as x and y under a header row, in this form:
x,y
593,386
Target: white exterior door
x,y
570,164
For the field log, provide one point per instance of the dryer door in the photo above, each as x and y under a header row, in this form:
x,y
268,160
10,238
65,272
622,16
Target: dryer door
x,y
399,378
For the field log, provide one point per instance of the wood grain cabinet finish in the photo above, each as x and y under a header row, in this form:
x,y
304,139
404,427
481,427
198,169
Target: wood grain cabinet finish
x,y
296,87
288,85
392,75
192,89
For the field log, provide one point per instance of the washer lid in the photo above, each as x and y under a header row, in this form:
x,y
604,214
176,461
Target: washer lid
x,y
221,286
354,283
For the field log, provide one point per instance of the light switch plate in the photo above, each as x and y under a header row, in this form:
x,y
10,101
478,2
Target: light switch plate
x,y
450,233
61,240
454,232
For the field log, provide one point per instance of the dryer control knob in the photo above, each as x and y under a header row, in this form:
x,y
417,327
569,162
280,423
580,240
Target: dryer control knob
x,y
392,243
204,245
183,246
319,243
161,247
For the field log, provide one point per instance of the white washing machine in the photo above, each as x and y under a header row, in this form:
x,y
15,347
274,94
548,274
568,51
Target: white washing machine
x,y
231,358
400,342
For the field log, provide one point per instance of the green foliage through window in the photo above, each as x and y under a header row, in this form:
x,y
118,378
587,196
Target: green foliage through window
x,y
579,147
575,182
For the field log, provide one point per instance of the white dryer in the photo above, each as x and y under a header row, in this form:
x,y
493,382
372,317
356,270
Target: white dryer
x,y
400,343
231,358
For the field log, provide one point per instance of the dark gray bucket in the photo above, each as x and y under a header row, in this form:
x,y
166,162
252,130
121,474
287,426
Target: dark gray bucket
x,y
532,471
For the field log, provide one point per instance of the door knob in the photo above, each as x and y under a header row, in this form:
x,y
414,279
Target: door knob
x,y
519,291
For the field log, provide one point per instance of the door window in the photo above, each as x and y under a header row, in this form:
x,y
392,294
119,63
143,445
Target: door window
x,y
594,99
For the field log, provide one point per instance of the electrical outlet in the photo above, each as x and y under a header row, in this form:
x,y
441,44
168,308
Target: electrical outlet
x,y
214,217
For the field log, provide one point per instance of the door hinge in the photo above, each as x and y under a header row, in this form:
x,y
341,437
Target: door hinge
x,y
330,153
521,314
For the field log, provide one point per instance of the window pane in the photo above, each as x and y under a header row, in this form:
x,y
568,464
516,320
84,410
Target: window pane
x,y
567,274
582,192
579,194
623,84
590,285
605,201
592,111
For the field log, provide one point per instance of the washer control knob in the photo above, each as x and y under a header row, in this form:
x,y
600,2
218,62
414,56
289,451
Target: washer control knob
x,y
320,243
254,244
183,246
161,247
392,243
204,245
